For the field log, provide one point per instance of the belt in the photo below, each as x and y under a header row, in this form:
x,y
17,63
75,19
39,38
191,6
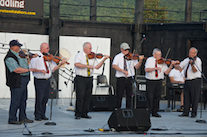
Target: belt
x,y
124,78
42,78
154,79
192,79
83,76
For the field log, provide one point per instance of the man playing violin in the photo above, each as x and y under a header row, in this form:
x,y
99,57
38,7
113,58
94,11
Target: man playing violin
x,y
42,71
124,73
84,80
154,75
17,78
192,67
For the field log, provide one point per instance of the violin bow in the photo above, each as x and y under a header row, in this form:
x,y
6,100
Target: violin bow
x,y
167,53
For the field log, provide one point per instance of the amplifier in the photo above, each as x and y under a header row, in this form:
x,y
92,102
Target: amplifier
x,y
103,103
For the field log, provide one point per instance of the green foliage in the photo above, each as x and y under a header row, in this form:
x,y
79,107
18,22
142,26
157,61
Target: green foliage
x,y
175,10
157,15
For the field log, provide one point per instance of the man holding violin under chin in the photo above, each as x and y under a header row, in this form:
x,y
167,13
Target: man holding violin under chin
x,y
192,67
154,73
42,71
17,78
124,73
84,80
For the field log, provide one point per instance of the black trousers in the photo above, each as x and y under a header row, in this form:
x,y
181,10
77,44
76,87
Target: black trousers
x,y
124,84
42,89
18,100
153,93
192,90
83,86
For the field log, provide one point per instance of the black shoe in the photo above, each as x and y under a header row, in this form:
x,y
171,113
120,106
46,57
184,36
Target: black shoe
x,y
183,115
45,118
156,115
15,122
88,117
193,115
77,117
38,119
27,121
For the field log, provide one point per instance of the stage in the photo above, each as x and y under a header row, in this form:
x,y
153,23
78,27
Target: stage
x,y
168,125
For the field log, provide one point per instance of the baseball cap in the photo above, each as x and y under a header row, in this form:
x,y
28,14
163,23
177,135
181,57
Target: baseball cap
x,y
14,43
124,46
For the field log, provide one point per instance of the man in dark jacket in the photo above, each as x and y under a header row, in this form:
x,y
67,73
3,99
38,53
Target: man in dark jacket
x,y
17,78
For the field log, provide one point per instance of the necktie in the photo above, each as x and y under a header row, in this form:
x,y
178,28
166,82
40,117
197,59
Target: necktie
x,y
88,70
186,71
125,65
47,70
156,73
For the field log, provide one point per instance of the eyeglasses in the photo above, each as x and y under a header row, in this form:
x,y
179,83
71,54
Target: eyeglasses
x,y
126,49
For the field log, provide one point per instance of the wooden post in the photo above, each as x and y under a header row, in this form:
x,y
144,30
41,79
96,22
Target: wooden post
x,y
138,20
54,29
93,10
188,10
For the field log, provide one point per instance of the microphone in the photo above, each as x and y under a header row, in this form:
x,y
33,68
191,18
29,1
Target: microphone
x,y
191,58
45,53
144,37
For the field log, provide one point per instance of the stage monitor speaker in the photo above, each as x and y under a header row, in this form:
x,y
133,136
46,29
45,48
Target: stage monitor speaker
x,y
103,103
130,120
141,100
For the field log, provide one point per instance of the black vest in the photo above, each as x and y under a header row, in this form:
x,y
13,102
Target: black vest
x,y
13,79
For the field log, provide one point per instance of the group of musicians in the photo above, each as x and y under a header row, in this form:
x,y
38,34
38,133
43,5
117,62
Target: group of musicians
x,y
187,71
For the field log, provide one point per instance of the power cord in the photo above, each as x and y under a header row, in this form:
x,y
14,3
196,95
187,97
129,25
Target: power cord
x,y
25,125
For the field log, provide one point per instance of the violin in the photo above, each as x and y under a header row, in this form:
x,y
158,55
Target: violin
x,y
131,56
93,55
50,57
25,54
166,61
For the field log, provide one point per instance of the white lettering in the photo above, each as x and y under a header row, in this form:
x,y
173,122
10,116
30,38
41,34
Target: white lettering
x,y
12,3
16,5
7,3
21,4
2,3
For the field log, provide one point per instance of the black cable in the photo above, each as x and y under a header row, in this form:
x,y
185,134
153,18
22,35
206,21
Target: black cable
x,y
3,131
25,125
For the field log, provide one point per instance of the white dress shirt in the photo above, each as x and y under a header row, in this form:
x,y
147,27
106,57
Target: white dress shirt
x,y
177,75
38,63
81,58
190,74
150,63
119,61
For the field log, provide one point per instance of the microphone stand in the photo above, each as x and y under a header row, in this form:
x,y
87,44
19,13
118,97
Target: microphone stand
x,y
53,90
200,120
136,89
135,94
51,123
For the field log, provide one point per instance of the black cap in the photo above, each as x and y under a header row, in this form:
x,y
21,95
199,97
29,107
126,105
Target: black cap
x,y
14,43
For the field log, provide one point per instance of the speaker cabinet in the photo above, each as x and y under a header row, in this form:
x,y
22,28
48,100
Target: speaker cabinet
x,y
141,100
103,103
130,120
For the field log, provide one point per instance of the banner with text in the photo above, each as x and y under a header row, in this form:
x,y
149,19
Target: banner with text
x,y
29,8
